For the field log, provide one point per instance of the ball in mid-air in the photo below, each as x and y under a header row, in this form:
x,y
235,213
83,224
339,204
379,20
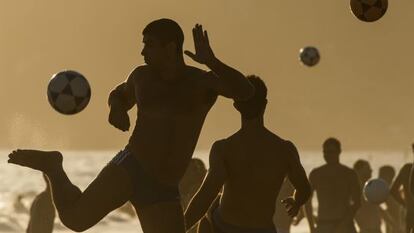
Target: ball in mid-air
x,y
369,10
309,56
68,92
376,191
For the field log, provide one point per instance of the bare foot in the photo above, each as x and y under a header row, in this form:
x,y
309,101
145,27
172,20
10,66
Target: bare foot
x,y
45,161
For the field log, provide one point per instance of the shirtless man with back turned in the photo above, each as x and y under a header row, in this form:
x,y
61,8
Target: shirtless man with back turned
x,y
173,100
338,193
252,165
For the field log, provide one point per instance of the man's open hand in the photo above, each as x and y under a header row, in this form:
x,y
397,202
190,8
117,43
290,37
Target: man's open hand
x,y
292,208
203,52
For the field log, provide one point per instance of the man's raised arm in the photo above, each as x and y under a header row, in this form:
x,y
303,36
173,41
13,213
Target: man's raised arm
x,y
230,82
209,190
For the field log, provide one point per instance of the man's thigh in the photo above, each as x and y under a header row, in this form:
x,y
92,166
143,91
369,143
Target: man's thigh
x,y
108,191
162,217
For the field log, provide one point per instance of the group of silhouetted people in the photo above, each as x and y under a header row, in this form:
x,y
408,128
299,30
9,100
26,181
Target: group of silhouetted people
x,y
246,170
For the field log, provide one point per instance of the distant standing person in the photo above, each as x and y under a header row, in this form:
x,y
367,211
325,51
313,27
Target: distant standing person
x,y
252,165
412,176
411,188
42,212
369,215
393,209
400,190
338,193
191,182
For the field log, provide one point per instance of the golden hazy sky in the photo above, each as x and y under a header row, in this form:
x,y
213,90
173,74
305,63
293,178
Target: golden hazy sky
x,y
361,92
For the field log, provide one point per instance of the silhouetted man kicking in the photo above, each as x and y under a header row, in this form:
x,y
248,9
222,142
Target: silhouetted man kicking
x,y
338,193
173,100
252,165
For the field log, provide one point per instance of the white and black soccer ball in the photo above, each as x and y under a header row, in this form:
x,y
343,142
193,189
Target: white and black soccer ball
x,y
68,92
369,10
309,56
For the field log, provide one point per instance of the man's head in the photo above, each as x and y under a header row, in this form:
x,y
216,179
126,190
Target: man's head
x,y
387,173
331,150
255,106
363,170
163,41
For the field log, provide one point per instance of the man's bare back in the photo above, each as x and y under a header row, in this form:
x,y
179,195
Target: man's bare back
x,y
252,165
258,164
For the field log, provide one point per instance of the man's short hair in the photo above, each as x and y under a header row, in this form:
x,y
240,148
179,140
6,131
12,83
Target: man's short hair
x,y
359,164
255,105
332,141
387,170
166,30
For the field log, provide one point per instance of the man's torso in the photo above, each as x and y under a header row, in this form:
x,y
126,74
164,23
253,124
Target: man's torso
x,y
169,121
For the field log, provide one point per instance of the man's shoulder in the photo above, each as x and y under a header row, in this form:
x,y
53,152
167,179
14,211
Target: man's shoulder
x,y
318,170
140,70
224,142
406,168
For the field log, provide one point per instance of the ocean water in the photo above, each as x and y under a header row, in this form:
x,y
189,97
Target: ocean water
x,y
83,166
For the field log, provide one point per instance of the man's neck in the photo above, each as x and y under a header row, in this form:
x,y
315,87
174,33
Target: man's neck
x,y
333,163
252,124
172,71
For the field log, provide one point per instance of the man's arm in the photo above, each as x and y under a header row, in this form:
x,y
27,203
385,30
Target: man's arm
x,y
123,95
388,219
299,180
230,82
411,186
209,190
309,208
355,193
121,100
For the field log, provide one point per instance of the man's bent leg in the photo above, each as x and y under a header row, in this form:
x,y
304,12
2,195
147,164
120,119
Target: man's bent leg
x,y
162,217
79,211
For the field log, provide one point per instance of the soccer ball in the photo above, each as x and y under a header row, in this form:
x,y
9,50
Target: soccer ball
x,y
376,191
68,92
309,56
369,10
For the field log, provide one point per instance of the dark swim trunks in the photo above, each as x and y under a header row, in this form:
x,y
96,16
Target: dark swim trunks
x,y
146,189
338,225
222,227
